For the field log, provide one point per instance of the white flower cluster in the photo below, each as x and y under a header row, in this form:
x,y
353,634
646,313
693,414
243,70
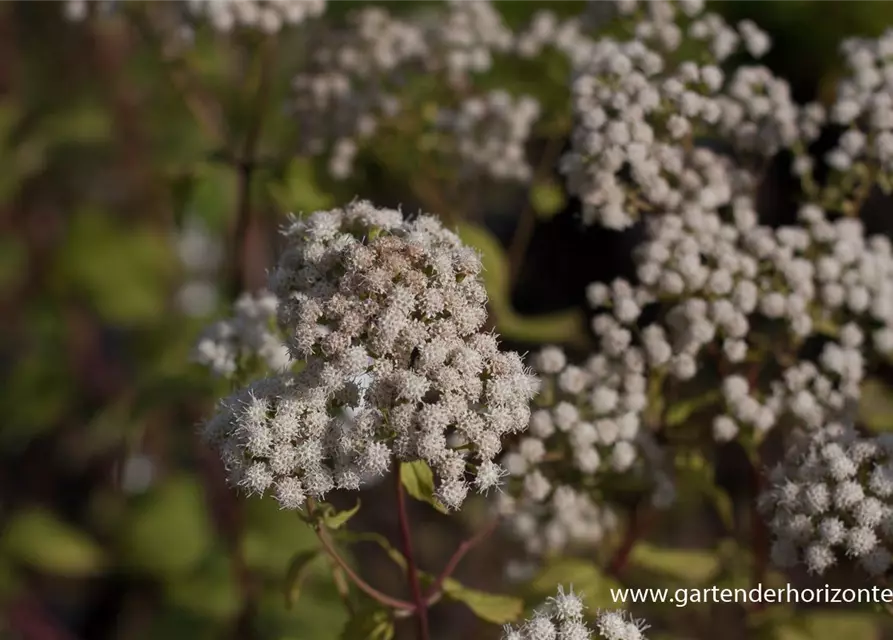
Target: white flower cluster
x,y
358,71
352,82
250,333
562,618
387,315
638,116
464,41
490,133
864,104
566,36
269,16
587,425
726,287
830,502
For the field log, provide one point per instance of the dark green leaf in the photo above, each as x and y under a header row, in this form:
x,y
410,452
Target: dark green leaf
x,y
298,569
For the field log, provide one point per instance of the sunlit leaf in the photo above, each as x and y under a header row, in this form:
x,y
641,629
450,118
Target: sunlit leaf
x,y
683,565
336,519
585,577
492,607
418,479
561,328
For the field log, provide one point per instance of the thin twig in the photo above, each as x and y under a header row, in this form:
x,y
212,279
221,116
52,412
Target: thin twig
x,y
412,573
246,164
436,588
382,598
638,526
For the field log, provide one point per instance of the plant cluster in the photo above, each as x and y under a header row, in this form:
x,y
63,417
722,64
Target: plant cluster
x,y
374,349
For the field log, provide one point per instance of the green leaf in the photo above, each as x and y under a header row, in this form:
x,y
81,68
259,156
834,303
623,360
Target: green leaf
x,y
298,191
491,607
547,199
418,479
123,271
563,327
336,519
298,569
679,412
168,532
369,624
682,565
585,577
37,538
212,591
273,536
876,405
696,477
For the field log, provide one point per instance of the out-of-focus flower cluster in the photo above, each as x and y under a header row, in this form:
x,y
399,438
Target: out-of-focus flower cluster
x,y
583,429
489,133
251,333
830,502
386,314
745,299
357,72
639,112
268,16
864,105
562,617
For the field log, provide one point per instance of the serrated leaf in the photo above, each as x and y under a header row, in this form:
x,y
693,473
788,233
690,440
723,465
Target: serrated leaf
x,y
547,199
298,569
37,538
491,607
369,624
876,405
585,577
418,480
683,565
336,519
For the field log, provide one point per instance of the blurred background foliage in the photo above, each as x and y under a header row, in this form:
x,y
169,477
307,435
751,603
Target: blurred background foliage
x,y
122,206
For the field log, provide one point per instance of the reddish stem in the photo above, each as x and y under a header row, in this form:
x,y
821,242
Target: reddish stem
x,y
638,526
421,606
327,543
456,558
